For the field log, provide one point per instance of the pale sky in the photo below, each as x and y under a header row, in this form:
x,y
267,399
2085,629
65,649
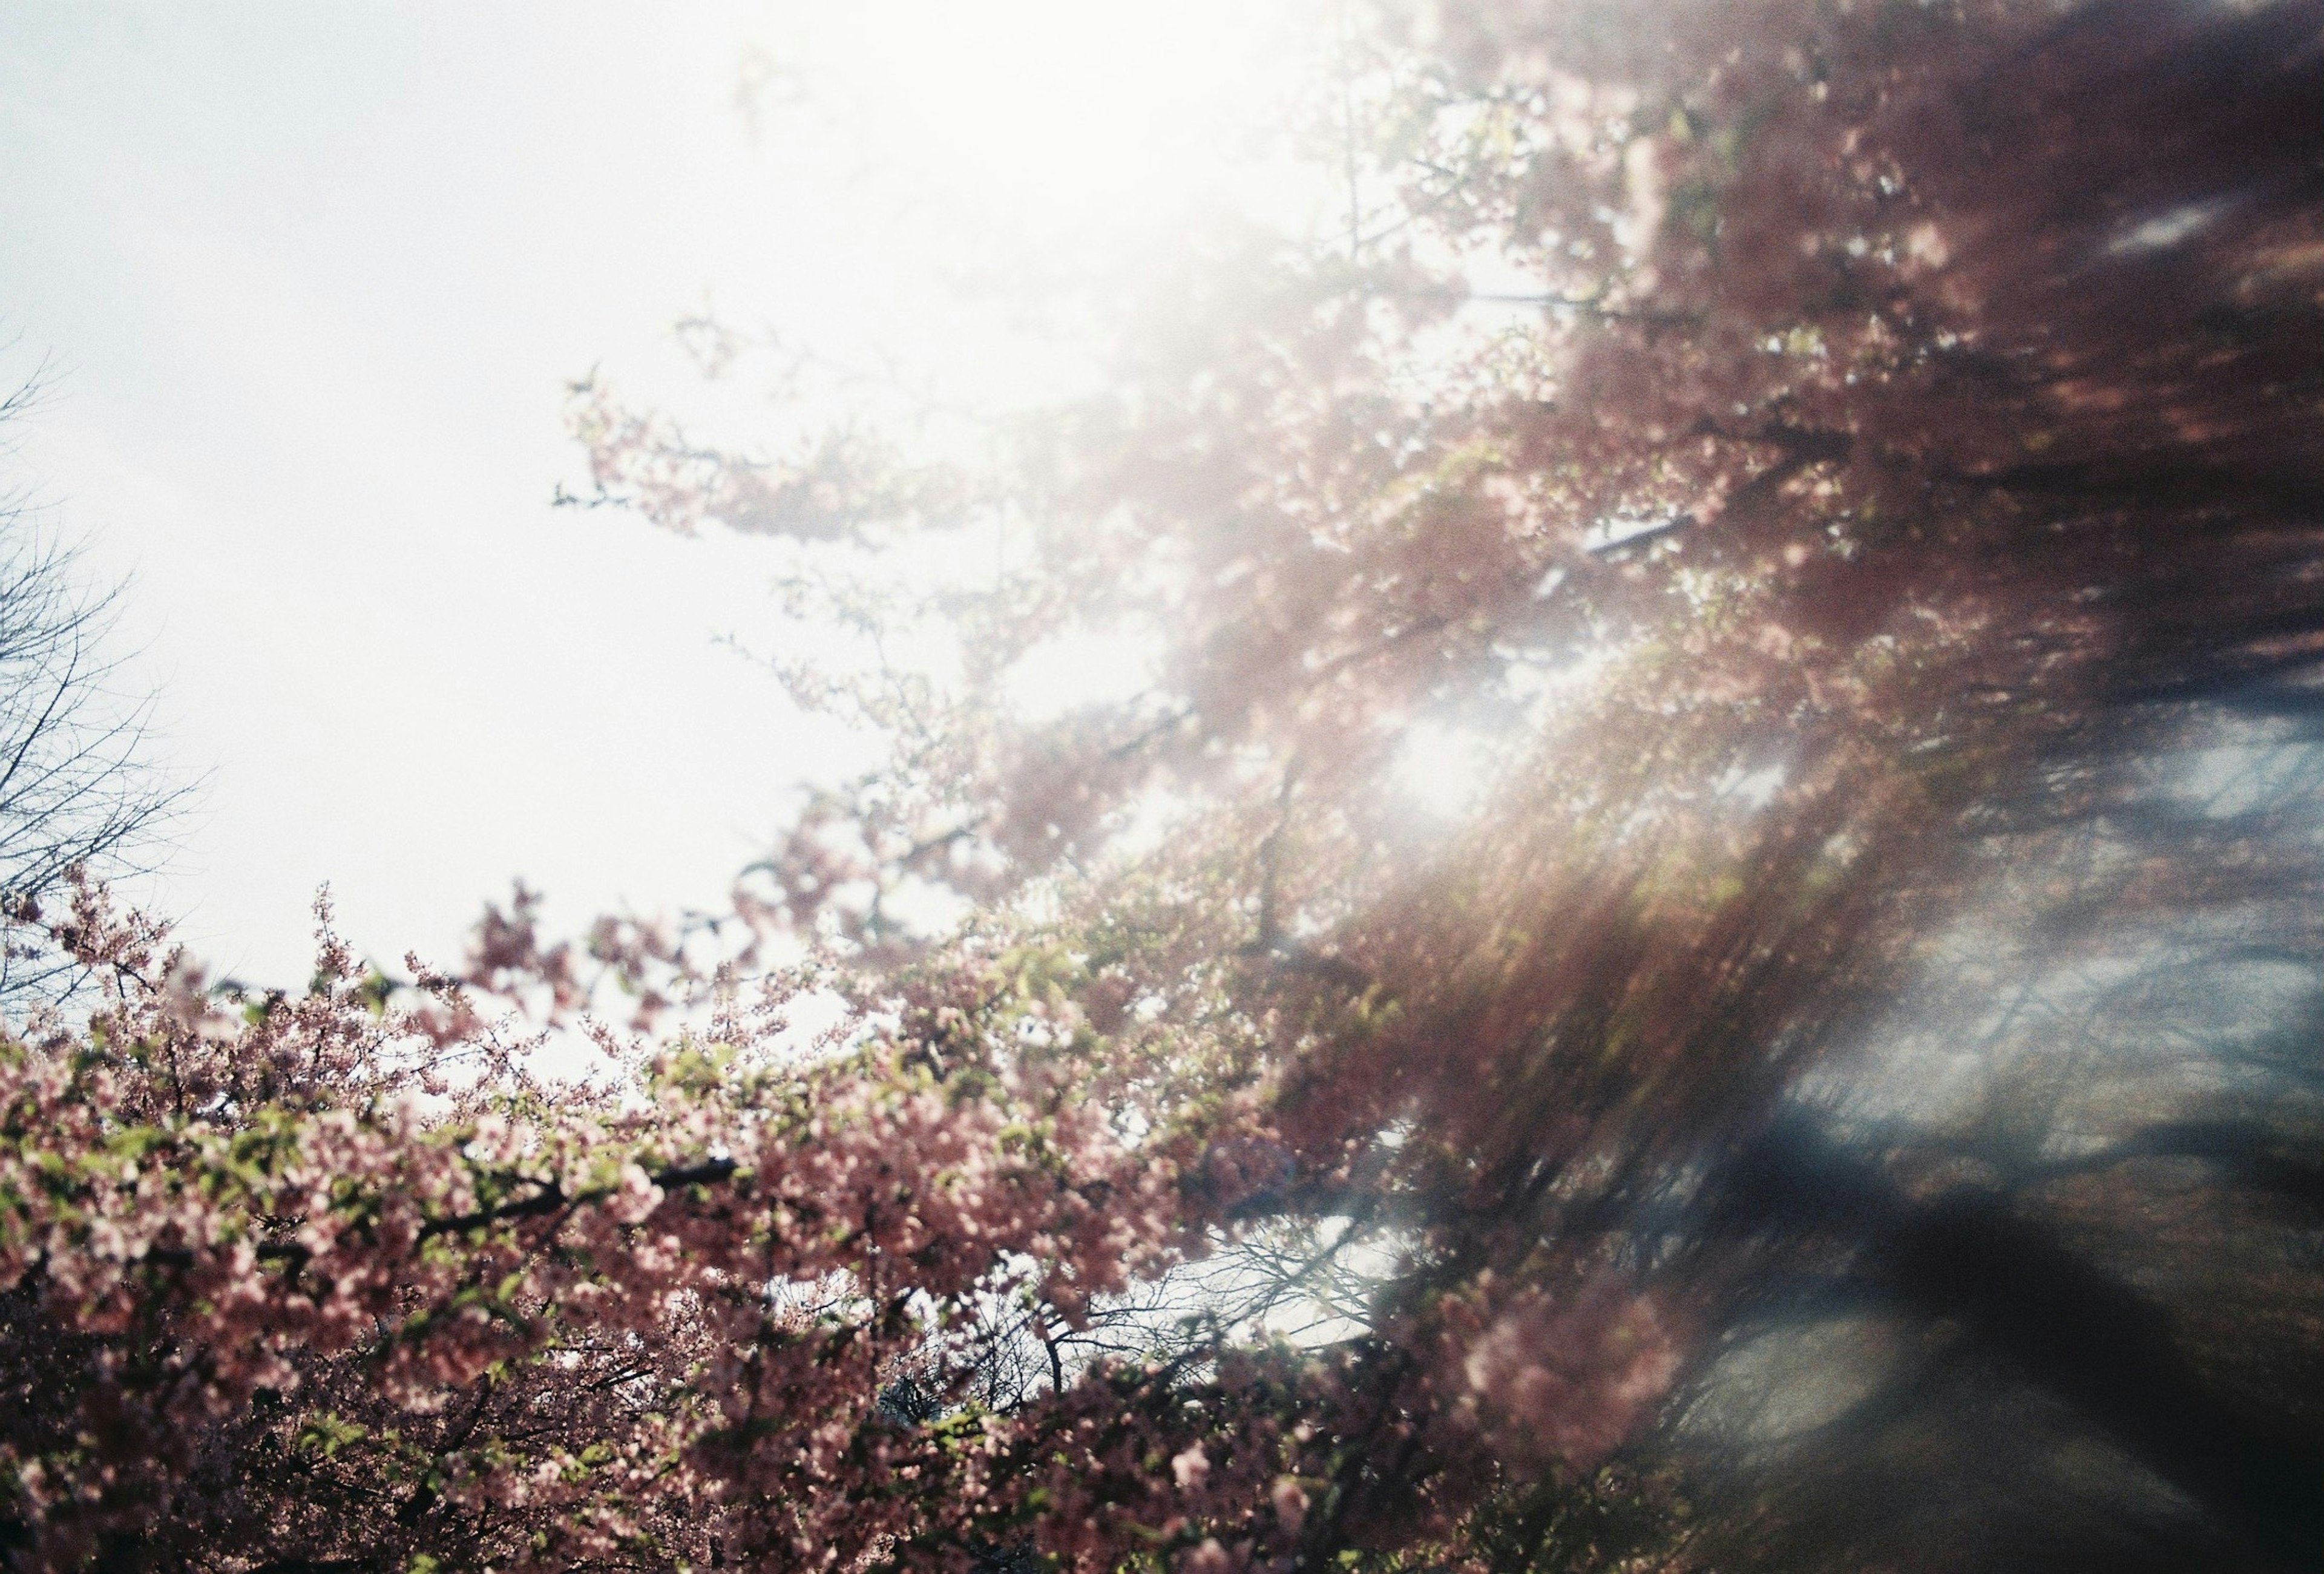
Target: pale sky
x,y
309,280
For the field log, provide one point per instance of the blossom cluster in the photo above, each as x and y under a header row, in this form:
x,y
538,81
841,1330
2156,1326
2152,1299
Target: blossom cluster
x,y
328,1273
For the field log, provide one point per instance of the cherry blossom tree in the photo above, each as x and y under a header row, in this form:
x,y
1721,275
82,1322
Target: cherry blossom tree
x,y
1837,1090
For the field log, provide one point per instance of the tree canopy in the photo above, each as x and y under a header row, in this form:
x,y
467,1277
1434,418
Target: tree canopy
x,y
1838,1090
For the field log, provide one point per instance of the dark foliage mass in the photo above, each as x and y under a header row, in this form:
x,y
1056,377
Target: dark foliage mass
x,y
1844,1094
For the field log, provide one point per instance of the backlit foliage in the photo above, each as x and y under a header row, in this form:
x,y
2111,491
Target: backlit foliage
x,y
1841,1091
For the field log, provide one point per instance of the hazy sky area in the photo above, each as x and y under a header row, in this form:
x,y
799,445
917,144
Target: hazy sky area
x,y
309,281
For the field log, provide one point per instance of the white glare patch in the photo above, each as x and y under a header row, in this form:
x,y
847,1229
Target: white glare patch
x,y
1148,821
1755,789
1078,670
2165,229
1620,531
924,910
1443,769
